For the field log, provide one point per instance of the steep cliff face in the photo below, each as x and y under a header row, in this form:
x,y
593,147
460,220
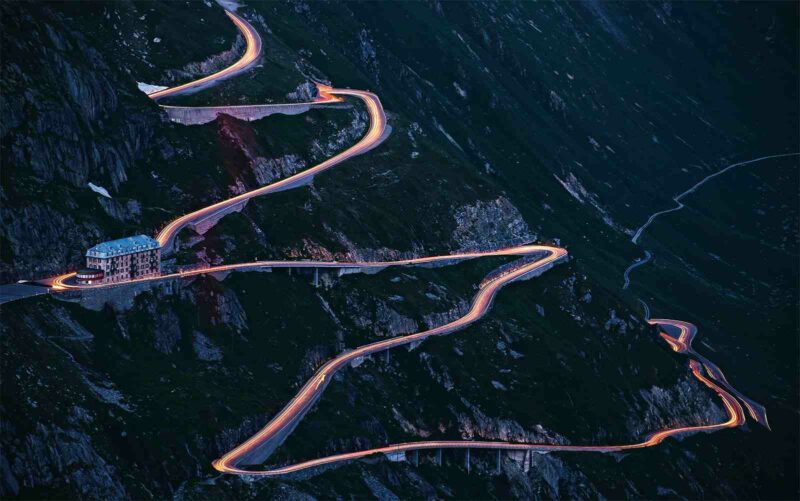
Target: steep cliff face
x,y
71,117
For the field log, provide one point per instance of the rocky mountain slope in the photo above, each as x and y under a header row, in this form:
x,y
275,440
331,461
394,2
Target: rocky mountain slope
x,y
553,122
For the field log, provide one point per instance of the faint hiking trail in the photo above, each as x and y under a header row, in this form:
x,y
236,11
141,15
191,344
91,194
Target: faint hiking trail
x,y
677,199
678,206
647,256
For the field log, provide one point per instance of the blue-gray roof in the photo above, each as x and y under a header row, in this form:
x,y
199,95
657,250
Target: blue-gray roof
x,y
122,246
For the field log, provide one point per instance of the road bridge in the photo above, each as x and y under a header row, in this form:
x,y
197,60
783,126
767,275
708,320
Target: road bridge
x,y
198,115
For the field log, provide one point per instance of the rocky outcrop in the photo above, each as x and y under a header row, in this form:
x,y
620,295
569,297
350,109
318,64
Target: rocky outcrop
x,y
244,159
582,195
309,249
376,315
166,325
208,66
368,54
617,324
547,476
440,318
268,170
486,222
205,349
408,426
223,308
687,403
437,371
55,458
127,211
344,137
239,149
312,360
229,438
476,425
155,305
39,239
45,134
305,92
356,253
378,490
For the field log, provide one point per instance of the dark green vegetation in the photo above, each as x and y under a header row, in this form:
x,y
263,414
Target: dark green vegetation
x,y
493,107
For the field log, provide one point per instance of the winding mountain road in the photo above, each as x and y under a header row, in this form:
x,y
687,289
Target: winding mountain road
x,y
683,344
377,132
260,446
248,59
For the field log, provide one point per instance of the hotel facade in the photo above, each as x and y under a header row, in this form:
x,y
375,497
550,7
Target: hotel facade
x,y
122,260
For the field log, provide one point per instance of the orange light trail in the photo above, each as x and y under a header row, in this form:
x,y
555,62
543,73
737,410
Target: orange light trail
x,y
281,425
683,344
62,282
250,56
372,138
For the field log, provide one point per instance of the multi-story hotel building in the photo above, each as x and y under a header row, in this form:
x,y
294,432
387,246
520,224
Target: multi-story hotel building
x,y
122,260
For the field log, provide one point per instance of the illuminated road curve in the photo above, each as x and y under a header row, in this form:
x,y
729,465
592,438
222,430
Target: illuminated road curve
x,y
376,133
683,344
260,446
250,56
196,115
281,425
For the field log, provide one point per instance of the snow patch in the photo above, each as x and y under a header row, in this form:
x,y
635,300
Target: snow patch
x,y
582,195
99,189
149,88
229,5
448,136
499,386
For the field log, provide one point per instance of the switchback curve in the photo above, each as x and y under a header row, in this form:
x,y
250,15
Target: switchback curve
x,y
248,59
